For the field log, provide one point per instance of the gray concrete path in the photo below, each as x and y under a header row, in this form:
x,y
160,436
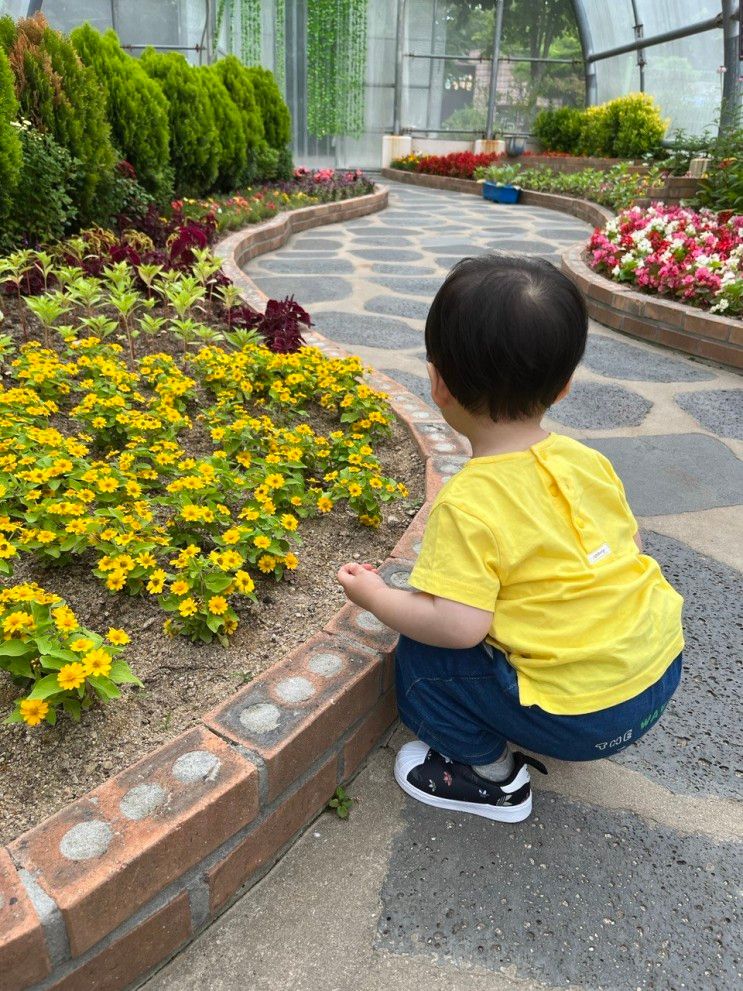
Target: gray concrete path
x,y
627,873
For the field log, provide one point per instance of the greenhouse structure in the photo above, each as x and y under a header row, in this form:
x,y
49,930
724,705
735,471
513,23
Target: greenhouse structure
x,y
425,68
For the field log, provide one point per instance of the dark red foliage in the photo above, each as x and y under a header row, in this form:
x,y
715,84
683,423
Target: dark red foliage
x,y
126,169
280,325
457,165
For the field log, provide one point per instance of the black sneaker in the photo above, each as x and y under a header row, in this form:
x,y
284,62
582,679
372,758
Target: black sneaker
x,y
429,777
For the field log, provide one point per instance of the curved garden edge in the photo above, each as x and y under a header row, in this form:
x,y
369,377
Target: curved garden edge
x,y
651,318
157,852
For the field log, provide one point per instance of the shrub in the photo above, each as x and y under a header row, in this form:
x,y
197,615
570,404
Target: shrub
x,y
595,137
10,142
722,184
194,141
558,130
237,81
230,128
636,124
43,204
58,94
135,106
277,125
457,165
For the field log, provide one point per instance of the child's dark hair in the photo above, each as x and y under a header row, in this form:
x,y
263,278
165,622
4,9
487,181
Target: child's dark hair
x,y
506,333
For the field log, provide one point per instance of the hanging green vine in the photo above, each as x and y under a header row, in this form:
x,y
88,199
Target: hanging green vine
x,y
336,66
279,45
251,32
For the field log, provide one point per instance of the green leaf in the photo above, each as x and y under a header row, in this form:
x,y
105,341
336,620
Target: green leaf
x,y
51,716
333,803
217,583
16,648
214,623
104,687
72,708
13,717
343,812
121,674
45,687
20,667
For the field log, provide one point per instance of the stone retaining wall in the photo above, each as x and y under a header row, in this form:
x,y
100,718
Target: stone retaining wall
x,y
654,319
106,890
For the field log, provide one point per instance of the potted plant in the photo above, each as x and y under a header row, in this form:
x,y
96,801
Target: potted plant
x,y
503,189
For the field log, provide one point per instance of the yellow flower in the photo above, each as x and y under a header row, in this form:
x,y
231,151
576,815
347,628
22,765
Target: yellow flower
x,y
116,580
107,484
262,542
81,644
289,522
33,711
71,676
230,560
375,483
190,513
180,587
188,607
243,582
18,622
117,637
156,582
266,563
64,619
218,605
354,489
274,481
231,536
324,504
291,561
97,662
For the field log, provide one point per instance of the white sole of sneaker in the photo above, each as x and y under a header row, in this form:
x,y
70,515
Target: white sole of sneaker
x,y
412,754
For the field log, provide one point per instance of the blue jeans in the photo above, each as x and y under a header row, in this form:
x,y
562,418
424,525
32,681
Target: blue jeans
x,y
465,704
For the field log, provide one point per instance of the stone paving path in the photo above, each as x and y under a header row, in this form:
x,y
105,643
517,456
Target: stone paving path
x,y
626,874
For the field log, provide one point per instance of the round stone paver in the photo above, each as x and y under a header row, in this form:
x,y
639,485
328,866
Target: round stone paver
x,y
295,689
398,306
368,330
86,840
600,406
719,410
615,359
142,800
260,718
369,622
418,287
196,765
304,288
313,266
325,664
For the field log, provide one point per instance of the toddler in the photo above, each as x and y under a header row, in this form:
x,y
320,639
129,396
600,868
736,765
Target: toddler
x,y
536,618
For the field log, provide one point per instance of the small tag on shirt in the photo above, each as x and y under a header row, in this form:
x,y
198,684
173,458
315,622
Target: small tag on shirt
x,y
600,554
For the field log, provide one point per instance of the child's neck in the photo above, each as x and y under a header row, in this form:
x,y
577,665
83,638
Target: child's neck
x,y
504,437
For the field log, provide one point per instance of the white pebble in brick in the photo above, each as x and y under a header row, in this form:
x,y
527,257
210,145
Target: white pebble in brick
x,y
417,546
196,765
400,579
86,840
142,800
445,447
368,621
260,718
325,664
295,689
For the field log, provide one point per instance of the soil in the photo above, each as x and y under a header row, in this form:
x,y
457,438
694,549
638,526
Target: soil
x,y
44,768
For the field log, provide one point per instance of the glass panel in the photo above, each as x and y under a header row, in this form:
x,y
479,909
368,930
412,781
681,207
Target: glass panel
x,y
684,78
617,76
610,24
67,14
658,16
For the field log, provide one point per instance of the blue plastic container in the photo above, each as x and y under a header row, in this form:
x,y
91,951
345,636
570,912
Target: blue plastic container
x,y
500,194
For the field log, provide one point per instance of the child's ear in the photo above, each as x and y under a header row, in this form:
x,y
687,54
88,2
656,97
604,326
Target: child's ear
x,y
565,390
439,391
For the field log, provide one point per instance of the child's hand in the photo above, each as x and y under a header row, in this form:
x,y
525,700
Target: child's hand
x,y
360,582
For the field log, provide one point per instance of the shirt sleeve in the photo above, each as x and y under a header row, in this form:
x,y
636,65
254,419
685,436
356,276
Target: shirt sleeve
x,y
458,559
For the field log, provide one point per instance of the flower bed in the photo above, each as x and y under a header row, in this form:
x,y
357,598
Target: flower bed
x,y
174,480
255,205
617,187
693,257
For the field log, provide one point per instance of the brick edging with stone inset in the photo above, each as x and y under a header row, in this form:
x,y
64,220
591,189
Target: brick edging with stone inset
x,y
652,318
114,884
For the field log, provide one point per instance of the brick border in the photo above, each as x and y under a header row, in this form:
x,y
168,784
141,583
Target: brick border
x,y
654,319
114,884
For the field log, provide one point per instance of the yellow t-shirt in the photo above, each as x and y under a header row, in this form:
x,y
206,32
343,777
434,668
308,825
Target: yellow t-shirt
x,y
544,539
